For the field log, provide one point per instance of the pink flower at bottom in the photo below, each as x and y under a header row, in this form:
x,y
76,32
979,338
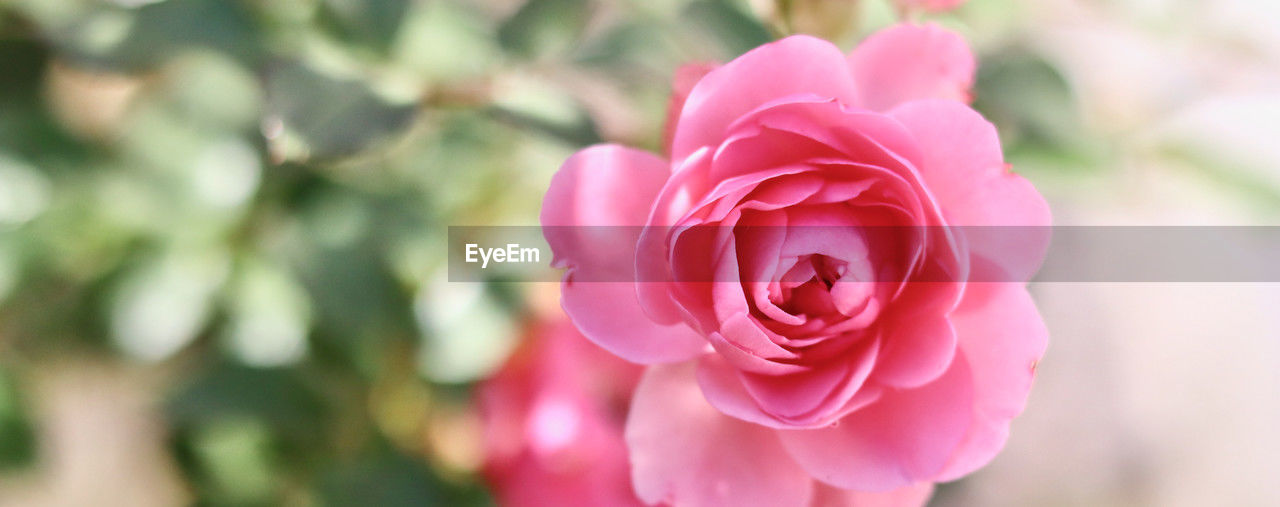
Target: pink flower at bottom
x,y
798,353
553,420
929,5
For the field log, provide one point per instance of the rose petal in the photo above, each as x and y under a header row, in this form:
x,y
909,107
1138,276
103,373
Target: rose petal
x,y
905,437
794,65
754,148
742,331
609,186
682,83
684,452
1001,337
739,340
651,266
839,191
604,185
724,387
664,280
879,144
609,314
910,62
917,349
964,167
828,229
594,206
814,398
796,394
915,494
862,136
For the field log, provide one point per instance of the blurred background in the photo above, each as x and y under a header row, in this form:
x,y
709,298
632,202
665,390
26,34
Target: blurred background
x,y
222,229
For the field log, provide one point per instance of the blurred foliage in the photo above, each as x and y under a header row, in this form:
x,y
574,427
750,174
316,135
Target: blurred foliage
x,y
540,27
16,438
1037,112
249,199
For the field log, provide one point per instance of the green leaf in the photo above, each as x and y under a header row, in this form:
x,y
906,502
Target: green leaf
x,y
390,479
447,42
26,127
290,407
543,27
1035,110
737,31
235,462
315,116
17,440
142,38
371,23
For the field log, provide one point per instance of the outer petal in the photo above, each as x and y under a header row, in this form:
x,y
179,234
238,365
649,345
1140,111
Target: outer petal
x,y
684,452
915,494
609,187
965,169
798,64
604,184
917,351
1002,337
682,83
610,315
905,437
911,62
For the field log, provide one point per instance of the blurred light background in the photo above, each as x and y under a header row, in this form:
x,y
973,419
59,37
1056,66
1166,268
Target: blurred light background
x,y
222,232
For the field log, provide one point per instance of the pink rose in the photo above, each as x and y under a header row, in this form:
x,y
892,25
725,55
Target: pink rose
x,y
794,357
553,418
